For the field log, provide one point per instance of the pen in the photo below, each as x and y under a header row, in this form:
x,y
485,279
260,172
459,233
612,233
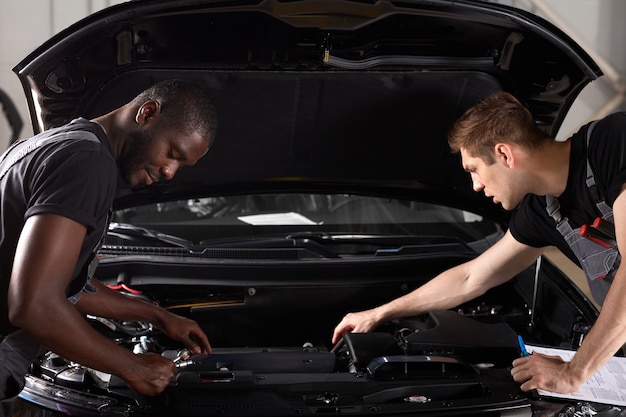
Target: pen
x,y
522,346
524,353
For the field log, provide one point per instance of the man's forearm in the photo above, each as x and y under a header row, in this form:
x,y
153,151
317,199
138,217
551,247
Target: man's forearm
x,y
114,305
447,290
607,335
84,345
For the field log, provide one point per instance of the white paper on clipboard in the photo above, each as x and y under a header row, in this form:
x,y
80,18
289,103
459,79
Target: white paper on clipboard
x,y
607,386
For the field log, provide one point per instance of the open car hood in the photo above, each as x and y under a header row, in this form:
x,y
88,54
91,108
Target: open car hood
x,y
315,93
338,109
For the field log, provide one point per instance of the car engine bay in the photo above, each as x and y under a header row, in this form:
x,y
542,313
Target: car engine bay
x,y
273,356
453,361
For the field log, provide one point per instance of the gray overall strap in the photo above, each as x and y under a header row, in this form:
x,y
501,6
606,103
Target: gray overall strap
x,y
597,261
554,210
553,206
20,150
605,209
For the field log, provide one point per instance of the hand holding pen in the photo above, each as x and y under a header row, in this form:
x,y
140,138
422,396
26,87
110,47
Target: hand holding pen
x,y
535,371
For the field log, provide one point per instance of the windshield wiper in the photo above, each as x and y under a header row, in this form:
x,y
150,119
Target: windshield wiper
x,y
326,244
294,243
389,245
300,245
129,231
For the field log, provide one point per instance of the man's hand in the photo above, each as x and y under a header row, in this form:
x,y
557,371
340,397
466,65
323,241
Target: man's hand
x,y
361,322
185,331
550,373
151,375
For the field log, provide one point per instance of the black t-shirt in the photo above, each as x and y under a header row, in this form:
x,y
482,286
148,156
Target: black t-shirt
x,y
530,223
71,177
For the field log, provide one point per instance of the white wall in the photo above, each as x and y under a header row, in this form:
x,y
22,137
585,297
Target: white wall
x,y
24,25
596,24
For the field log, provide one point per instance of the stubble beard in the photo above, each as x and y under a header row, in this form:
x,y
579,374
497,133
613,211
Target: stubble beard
x,y
133,158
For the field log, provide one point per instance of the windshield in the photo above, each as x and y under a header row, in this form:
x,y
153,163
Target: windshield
x,y
224,220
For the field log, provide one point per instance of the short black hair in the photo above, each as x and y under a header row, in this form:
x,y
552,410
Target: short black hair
x,y
184,105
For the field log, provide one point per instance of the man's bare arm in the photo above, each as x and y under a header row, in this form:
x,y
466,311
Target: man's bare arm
x,y
450,288
45,260
606,337
113,305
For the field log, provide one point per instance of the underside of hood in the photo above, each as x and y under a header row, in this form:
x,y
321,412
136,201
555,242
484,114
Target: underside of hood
x,y
315,93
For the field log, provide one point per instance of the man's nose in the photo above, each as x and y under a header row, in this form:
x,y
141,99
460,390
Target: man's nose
x,y
476,184
168,171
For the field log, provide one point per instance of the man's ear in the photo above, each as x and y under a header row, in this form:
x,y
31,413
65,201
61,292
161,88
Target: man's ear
x,y
505,154
148,112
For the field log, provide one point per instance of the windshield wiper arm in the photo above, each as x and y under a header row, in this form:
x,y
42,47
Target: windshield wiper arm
x,y
125,231
374,238
390,244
